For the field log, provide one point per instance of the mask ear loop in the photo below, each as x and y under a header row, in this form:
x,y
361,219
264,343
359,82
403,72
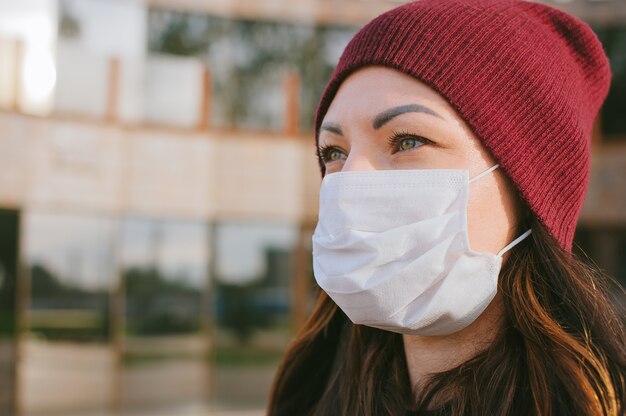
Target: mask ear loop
x,y
480,175
514,243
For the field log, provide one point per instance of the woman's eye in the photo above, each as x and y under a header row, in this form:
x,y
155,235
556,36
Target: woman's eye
x,y
407,144
334,155
331,154
403,142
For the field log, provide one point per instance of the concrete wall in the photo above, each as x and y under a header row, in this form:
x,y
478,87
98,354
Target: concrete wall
x,y
69,164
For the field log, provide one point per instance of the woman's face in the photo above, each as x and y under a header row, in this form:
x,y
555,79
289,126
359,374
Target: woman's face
x,y
383,119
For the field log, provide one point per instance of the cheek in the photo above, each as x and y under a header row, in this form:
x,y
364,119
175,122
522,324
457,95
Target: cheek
x,y
429,157
492,214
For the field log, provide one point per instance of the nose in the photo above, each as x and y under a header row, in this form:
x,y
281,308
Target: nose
x,y
358,160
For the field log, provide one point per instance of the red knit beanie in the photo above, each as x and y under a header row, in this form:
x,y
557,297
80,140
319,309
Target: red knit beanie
x,y
527,78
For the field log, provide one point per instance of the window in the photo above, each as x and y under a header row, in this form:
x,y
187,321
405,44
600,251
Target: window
x,y
69,363
165,272
254,272
248,60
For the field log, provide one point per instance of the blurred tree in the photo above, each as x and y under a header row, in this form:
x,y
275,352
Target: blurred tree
x,y
177,38
50,294
156,305
69,27
248,59
244,308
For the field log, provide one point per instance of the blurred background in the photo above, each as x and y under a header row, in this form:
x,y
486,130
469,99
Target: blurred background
x,y
158,191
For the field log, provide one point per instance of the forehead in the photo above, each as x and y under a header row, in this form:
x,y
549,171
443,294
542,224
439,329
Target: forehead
x,y
371,90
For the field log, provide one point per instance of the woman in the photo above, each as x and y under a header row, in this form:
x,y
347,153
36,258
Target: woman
x,y
454,141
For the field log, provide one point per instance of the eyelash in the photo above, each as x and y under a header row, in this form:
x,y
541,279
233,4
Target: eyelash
x,y
394,141
397,137
324,152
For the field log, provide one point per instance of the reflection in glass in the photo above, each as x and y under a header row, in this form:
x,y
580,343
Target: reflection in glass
x,y
165,271
254,268
68,361
248,59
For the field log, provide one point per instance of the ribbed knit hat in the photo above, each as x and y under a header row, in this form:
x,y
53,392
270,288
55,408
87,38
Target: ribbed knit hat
x,y
527,78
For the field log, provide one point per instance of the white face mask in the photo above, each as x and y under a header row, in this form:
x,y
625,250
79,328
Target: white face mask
x,y
391,249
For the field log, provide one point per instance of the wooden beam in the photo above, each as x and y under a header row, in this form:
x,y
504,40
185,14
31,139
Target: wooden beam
x,y
301,290
344,12
291,89
18,69
204,116
112,108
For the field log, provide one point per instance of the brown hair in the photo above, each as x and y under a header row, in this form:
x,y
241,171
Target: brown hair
x,y
561,351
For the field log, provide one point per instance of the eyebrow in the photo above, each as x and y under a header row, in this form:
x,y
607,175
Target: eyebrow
x,y
384,117
387,115
332,127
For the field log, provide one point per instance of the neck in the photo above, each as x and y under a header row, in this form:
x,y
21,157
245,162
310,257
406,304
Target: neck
x,y
426,355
